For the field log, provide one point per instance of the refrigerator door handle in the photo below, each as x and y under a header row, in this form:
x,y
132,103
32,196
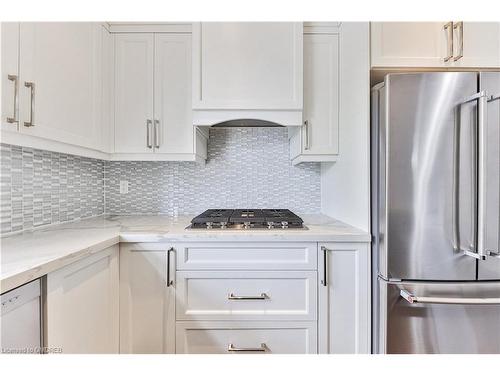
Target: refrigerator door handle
x,y
479,233
411,298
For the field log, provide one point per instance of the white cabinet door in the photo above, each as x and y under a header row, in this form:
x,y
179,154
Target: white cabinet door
x,y
134,93
247,65
82,305
10,75
319,134
344,302
147,304
409,44
61,60
174,130
481,44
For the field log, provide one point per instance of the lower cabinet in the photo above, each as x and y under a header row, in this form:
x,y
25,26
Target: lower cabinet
x,y
222,337
247,297
82,305
344,310
147,298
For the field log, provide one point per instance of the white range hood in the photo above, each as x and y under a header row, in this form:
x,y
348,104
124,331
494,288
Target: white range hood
x,y
247,71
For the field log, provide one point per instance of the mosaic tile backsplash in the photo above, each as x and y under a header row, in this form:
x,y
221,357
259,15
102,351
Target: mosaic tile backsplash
x,y
245,168
41,187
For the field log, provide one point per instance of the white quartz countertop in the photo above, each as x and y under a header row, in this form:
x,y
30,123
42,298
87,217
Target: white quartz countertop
x,y
29,255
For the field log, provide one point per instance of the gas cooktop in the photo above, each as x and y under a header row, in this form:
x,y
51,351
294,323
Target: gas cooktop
x,y
247,219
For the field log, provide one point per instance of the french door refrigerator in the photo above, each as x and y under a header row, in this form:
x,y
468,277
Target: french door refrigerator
x,y
436,213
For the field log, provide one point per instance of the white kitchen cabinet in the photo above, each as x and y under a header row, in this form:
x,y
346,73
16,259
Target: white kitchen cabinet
x,y
246,337
344,309
247,256
246,295
134,93
317,139
82,305
60,82
147,301
247,68
481,44
153,114
172,94
435,44
10,75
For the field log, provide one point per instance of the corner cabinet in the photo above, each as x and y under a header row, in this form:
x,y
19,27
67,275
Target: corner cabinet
x,y
153,114
344,320
444,44
82,305
147,298
318,139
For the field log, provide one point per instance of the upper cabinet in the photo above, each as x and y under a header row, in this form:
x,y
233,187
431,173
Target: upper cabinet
x,y
53,87
153,98
60,90
435,44
247,70
10,75
317,139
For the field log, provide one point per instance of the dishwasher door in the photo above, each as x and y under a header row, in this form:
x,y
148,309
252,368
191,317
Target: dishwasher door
x,y
20,319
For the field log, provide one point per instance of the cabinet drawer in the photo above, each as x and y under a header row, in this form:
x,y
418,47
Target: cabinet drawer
x,y
232,337
246,295
249,255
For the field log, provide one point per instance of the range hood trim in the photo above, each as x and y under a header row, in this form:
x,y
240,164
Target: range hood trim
x,y
215,117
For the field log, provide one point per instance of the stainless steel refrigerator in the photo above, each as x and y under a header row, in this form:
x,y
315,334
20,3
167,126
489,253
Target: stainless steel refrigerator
x,y
436,213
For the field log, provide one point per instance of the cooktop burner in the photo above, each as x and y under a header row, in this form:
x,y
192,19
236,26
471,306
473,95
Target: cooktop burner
x,y
247,219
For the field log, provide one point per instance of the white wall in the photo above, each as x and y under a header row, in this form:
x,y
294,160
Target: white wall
x,y
345,185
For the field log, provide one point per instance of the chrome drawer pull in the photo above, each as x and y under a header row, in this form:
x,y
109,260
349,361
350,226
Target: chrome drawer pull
x,y
232,348
261,297
448,300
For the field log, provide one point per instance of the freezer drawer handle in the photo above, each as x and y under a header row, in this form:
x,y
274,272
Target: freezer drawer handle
x,y
448,300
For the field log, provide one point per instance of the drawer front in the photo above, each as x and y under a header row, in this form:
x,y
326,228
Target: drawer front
x,y
246,295
246,338
247,255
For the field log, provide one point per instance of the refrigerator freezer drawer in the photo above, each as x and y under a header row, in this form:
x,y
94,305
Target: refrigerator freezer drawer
x,y
424,318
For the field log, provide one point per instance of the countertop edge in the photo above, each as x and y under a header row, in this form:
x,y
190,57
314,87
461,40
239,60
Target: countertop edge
x,y
16,280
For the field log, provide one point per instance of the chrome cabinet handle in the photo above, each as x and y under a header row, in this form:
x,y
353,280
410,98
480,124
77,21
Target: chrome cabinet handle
x,y
411,298
13,119
157,133
169,282
325,260
449,27
148,134
460,26
31,86
262,296
307,145
263,348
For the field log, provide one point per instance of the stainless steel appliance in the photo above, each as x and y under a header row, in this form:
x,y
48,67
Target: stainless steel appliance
x,y
20,320
247,219
436,213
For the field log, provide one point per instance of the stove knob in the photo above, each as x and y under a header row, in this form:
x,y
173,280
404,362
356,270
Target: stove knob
x,y
270,225
209,225
284,224
246,225
223,225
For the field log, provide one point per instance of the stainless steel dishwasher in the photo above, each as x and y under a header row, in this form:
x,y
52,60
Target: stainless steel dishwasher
x,y
20,319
